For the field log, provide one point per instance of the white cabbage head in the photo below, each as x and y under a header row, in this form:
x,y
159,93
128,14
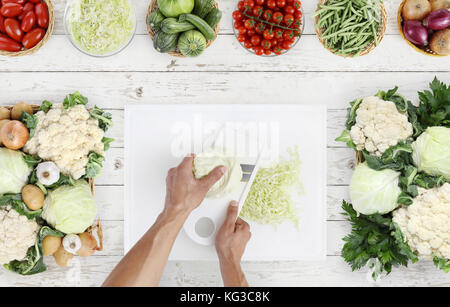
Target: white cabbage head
x,y
14,171
431,152
374,191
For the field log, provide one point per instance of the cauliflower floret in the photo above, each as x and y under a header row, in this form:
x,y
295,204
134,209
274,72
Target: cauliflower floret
x,y
17,235
66,137
425,222
379,125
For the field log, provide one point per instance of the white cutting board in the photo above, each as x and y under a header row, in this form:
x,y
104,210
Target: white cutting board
x,y
157,136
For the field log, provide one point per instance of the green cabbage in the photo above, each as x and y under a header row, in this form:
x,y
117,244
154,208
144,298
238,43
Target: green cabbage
x,y
14,171
374,191
174,8
70,209
270,200
101,27
431,152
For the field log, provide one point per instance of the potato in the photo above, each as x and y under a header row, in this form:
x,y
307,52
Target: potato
x,y
88,244
2,122
5,113
33,197
50,245
440,4
440,42
62,257
16,111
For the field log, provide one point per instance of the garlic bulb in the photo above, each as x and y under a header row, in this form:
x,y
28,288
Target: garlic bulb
x,y
47,173
72,243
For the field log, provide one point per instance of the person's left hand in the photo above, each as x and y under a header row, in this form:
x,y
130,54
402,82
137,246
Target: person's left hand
x,y
184,191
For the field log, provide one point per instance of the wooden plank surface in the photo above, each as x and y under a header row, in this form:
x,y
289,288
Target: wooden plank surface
x,y
225,73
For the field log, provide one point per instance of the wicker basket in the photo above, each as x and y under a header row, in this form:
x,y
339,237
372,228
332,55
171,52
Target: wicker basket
x,y
153,6
36,108
423,49
381,30
48,33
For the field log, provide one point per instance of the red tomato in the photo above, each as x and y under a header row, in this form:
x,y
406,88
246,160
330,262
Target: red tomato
x,y
271,4
242,30
13,30
238,24
21,2
33,37
286,45
2,24
297,4
241,6
255,40
277,17
249,4
259,2
278,33
7,44
288,19
267,52
41,11
277,49
297,24
259,50
267,15
26,8
281,3
237,15
248,44
251,32
28,22
268,34
260,27
288,35
257,11
289,9
11,9
249,24
35,1
241,38
298,15
266,44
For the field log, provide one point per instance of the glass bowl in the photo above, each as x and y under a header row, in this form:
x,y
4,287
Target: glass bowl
x,y
302,28
75,44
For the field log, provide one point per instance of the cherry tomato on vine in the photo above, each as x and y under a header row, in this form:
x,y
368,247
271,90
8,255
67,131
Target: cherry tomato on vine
x,y
288,19
268,34
288,35
286,44
249,24
257,11
267,51
255,40
266,44
248,44
289,9
281,3
297,4
278,33
251,32
237,15
298,15
241,6
259,50
259,2
260,27
249,4
242,30
271,4
277,17
267,15
277,50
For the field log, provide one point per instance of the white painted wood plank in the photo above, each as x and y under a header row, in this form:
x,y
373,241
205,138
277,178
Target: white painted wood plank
x,y
113,90
227,7
92,271
225,55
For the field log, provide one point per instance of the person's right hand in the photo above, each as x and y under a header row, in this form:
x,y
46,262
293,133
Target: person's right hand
x,y
232,237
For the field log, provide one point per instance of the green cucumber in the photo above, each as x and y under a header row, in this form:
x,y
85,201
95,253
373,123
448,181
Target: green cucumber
x,y
172,26
154,19
200,24
164,42
213,17
203,7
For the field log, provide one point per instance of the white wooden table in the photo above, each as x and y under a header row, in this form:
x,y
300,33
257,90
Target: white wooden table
x,y
225,73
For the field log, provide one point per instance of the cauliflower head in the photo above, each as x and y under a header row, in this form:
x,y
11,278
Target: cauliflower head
x,y
425,222
379,125
66,137
17,235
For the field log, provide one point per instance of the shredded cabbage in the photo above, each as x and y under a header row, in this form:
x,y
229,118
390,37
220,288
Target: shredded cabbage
x,y
270,200
101,27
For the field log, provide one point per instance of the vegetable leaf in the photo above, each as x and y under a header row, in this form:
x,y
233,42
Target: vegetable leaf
x,y
434,106
107,142
351,113
395,157
30,121
345,138
15,201
74,99
442,264
375,237
31,161
46,106
104,118
94,165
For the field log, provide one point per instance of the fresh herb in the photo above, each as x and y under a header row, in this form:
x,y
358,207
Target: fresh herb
x,y
31,161
94,165
375,237
74,99
30,121
107,143
434,106
351,113
46,106
442,264
104,118
34,261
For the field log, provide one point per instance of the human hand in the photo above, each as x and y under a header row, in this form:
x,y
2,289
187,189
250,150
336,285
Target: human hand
x,y
184,192
232,237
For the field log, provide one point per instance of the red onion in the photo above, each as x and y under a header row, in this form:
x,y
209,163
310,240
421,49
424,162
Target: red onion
x,y
415,32
437,20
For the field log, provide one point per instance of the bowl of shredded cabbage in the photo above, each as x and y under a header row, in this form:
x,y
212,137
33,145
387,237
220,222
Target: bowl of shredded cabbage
x,y
100,28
